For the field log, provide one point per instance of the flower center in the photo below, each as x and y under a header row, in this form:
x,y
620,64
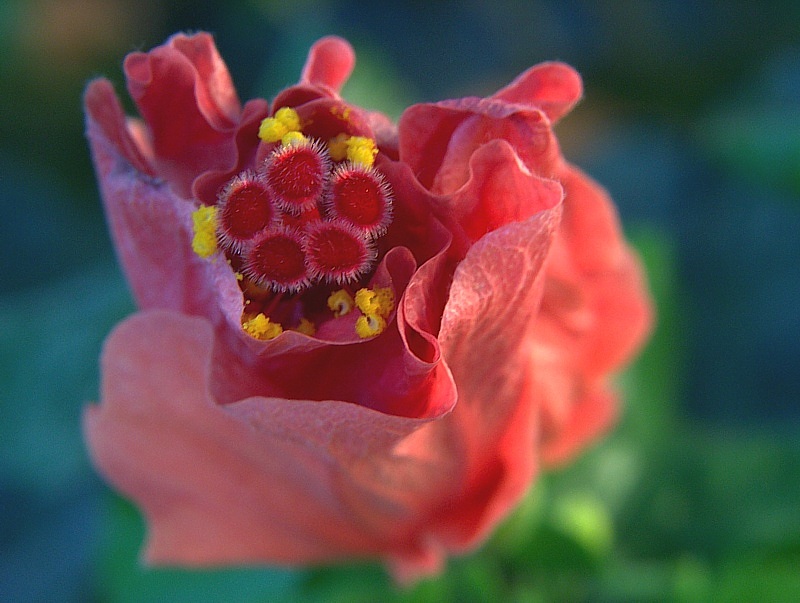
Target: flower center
x,y
299,223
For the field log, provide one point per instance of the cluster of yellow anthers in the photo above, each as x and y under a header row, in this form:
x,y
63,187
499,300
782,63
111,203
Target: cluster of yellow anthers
x,y
285,127
285,124
375,305
204,223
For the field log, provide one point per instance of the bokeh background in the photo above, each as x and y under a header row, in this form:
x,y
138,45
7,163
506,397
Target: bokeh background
x,y
691,119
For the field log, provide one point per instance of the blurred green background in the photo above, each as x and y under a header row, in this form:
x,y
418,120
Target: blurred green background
x,y
691,119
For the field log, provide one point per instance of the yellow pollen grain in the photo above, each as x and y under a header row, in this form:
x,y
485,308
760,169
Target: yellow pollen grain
x,y
288,117
379,301
340,302
306,327
204,225
385,300
370,325
367,301
337,147
361,150
293,138
273,129
260,327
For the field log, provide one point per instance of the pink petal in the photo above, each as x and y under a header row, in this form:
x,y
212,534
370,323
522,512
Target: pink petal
x,y
329,117
625,316
152,233
553,88
260,480
299,94
438,140
588,418
206,186
595,313
109,121
500,190
330,62
184,92
414,223
591,225
385,132
485,340
611,276
214,90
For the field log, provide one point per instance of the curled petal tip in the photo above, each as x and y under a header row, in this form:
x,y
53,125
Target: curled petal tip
x,y
106,121
330,62
552,86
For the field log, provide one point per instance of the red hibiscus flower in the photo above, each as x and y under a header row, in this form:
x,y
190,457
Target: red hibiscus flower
x,y
354,338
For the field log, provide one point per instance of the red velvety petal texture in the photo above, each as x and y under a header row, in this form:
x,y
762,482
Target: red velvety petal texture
x,y
595,309
150,224
595,315
551,87
185,94
437,140
262,479
330,62
516,297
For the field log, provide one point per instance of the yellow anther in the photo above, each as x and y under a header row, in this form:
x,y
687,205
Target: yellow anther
x,y
288,117
367,301
340,302
292,138
361,150
204,225
379,301
337,147
273,129
260,327
385,300
306,327
370,325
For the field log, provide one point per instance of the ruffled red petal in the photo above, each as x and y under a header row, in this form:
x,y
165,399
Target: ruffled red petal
x,y
184,92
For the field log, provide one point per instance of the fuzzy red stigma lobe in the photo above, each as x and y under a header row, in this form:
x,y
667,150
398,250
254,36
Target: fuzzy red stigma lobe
x,y
360,196
277,260
296,175
245,209
336,252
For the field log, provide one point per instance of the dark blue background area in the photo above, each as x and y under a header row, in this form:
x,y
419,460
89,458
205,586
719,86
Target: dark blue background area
x,y
690,119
